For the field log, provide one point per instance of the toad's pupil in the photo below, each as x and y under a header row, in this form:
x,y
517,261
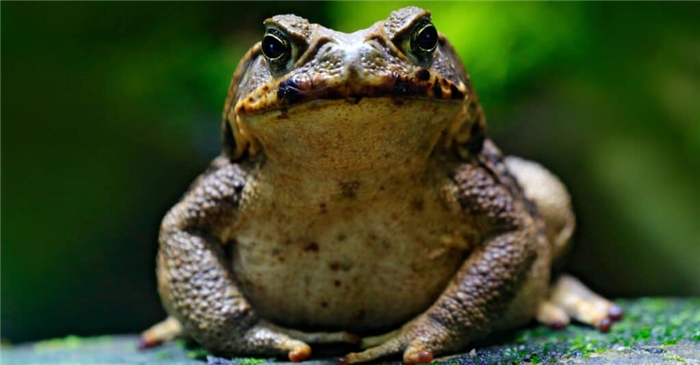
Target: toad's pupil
x,y
273,47
427,38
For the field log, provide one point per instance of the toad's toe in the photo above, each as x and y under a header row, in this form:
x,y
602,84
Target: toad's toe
x,y
159,333
300,353
552,315
583,305
416,354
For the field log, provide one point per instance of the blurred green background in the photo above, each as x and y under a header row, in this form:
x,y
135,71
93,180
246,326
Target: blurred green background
x,y
109,111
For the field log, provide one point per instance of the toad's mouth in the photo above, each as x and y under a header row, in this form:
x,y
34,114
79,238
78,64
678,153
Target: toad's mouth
x,y
300,89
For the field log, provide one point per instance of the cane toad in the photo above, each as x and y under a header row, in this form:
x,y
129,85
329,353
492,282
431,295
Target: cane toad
x,y
358,199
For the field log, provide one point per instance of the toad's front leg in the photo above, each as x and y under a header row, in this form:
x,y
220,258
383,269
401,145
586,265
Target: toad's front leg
x,y
195,279
480,293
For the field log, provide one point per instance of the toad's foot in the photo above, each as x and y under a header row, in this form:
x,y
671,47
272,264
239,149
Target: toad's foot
x,y
411,340
160,332
170,329
265,338
280,339
571,299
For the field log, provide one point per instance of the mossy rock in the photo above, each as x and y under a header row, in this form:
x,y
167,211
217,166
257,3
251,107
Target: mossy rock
x,y
653,331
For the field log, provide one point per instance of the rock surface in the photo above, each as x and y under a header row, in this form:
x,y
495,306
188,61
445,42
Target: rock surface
x,y
653,331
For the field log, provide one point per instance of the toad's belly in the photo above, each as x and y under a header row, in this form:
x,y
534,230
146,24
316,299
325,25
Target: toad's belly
x,y
356,272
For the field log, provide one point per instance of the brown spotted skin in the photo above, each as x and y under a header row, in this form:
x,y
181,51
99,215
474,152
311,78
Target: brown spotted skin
x,y
357,192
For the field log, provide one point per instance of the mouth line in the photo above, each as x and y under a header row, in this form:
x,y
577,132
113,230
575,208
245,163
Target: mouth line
x,y
292,92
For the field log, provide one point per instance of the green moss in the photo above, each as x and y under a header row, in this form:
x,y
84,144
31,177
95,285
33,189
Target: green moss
x,y
197,353
248,361
648,323
68,342
674,357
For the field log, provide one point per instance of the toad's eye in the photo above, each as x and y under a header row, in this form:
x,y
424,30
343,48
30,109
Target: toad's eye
x,y
424,39
276,48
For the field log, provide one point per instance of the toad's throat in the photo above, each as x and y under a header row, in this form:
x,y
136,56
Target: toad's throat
x,y
338,139
298,89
